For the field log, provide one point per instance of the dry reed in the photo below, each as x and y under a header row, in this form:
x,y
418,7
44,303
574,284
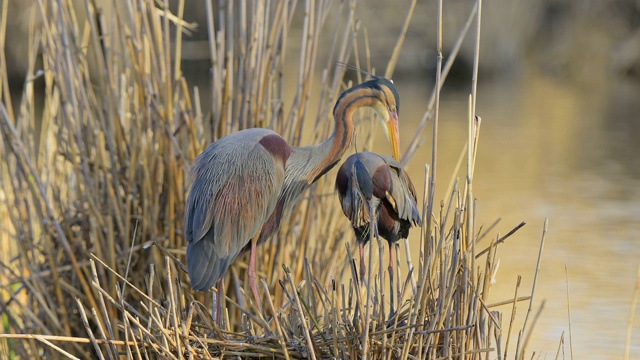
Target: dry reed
x,y
93,192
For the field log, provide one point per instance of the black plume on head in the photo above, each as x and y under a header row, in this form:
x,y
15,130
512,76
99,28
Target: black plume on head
x,y
392,87
375,83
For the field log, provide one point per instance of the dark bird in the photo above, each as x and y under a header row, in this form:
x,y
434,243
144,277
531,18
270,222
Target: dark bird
x,y
367,183
243,182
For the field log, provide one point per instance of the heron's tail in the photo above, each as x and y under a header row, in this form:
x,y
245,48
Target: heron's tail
x,y
205,267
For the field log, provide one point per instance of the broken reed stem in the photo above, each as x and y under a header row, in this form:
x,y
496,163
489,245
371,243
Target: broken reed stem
x,y
566,277
560,347
432,176
634,302
278,327
430,112
473,133
4,91
509,301
55,347
434,146
513,316
519,353
391,65
502,239
302,319
533,325
79,340
367,303
87,327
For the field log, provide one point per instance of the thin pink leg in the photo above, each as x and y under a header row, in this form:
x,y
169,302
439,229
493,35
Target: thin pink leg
x,y
252,273
362,267
219,303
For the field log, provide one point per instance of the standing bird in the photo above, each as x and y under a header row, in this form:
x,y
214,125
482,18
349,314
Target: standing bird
x,y
242,183
370,182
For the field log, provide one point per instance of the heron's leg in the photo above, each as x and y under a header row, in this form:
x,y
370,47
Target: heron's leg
x,y
221,302
392,261
214,306
362,266
252,272
218,301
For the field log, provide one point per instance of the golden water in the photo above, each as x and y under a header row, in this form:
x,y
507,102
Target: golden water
x,y
562,151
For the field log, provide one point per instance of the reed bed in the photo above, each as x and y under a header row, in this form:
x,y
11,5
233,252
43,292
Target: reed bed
x,y
93,187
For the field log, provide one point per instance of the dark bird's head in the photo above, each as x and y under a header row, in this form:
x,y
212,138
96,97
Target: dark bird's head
x,y
382,95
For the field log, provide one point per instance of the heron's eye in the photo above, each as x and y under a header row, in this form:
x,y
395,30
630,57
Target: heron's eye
x,y
392,108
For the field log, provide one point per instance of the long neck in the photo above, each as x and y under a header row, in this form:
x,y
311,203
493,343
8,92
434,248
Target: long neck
x,y
327,153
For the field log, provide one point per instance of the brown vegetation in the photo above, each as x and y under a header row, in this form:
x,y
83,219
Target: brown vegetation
x,y
93,192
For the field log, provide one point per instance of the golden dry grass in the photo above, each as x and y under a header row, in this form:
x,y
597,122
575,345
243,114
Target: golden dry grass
x,y
94,190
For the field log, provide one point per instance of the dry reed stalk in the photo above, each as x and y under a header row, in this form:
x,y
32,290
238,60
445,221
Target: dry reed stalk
x,y
560,347
634,302
520,355
566,277
398,46
429,113
513,315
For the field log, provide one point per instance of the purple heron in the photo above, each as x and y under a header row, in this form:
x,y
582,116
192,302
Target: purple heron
x,y
368,182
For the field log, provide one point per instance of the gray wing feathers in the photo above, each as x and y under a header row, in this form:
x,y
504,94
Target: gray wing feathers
x,y
235,180
359,195
403,192
204,272
355,188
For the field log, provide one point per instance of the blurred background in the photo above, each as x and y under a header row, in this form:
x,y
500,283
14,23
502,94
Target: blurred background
x,y
559,97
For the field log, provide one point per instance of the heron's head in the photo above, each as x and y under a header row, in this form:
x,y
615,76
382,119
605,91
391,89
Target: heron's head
x,y
386,103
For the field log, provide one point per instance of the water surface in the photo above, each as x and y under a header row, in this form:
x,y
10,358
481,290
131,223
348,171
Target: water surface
x,y
567,152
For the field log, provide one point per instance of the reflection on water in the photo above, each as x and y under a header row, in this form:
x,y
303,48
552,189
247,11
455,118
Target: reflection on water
x,y
550,149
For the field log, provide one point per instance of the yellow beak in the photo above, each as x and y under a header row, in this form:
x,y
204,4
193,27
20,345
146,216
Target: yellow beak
x,y
394,134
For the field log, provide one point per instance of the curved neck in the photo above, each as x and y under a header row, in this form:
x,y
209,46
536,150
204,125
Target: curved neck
x,y
331,150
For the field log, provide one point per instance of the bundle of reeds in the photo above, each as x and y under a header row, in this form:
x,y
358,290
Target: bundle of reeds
x,y
93,192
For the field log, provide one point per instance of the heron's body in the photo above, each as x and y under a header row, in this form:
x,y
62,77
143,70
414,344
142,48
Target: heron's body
x,y
367,177
250,163
243,182
369,182
256,178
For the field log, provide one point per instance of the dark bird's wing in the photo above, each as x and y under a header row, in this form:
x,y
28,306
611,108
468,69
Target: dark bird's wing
x,y
402,193
355,190
235,186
